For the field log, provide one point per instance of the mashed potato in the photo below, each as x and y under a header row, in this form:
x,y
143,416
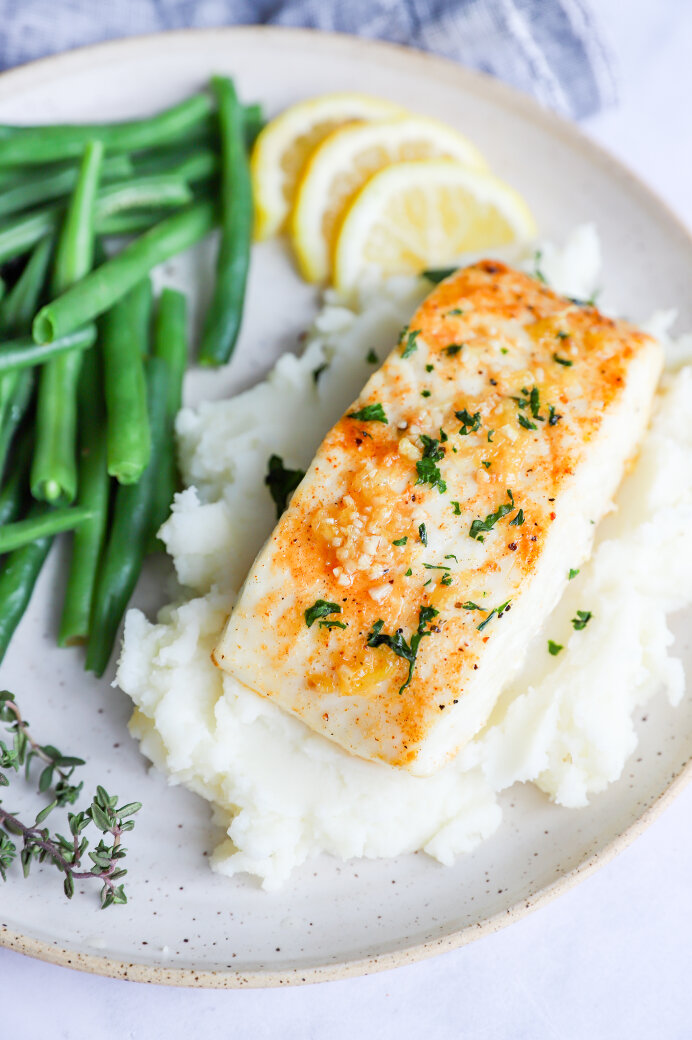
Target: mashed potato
x,y
283,793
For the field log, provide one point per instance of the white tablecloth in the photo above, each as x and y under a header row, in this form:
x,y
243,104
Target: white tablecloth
x,y
611,958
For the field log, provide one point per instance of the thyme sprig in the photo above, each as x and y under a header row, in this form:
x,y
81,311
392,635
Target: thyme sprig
x,y
38,844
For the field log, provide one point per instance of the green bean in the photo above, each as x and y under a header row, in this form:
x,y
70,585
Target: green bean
x,y
94,487
170,344
166,190
54,469
53,521
225,313
125,342
130,531
24,353
191,166
100,289
17,580
14,491
13,413
254,121
131,223
44,187
3,288
21,303
40,144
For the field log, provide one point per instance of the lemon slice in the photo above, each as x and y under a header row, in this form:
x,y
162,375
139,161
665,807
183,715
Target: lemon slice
x,y
339,167
285,143
414,215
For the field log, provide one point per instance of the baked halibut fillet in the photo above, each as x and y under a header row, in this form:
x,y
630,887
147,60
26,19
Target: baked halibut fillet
x,y
437,524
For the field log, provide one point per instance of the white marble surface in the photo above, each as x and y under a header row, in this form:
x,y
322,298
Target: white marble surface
x,y
612,957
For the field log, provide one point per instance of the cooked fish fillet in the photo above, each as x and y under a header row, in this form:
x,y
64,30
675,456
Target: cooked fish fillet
x,y
437,524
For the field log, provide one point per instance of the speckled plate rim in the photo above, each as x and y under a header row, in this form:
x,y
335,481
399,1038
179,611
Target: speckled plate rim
x,y
472,82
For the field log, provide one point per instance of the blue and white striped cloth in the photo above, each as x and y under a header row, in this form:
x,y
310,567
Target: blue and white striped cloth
x,y
549,48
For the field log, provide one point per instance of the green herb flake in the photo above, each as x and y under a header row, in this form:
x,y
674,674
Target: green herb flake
x,y
453,349
553,417
518,519
408,573
563,361
401,541
438,274
504,350
423,533
436,567
429,368
411,344
281,482
398,644
333,624
491,519
425,393
581,620
526,423
456,508
554,648
537,272
470,605
455,310
484,462
320,609
490,436
562,335
573,571
451,556
446,579
443,436
371,357
370,413
495,612
426,467
470,423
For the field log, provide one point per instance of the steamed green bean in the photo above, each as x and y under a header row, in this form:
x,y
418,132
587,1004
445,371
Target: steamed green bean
x,y
225,313
100,289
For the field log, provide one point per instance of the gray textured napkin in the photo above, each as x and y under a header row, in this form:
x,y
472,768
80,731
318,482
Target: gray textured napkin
x,y
549,48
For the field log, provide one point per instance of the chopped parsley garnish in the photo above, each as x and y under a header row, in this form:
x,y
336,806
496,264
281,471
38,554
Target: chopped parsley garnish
x,y
504,350
401,541
423,533
518,519
535,403
429,368
453,349
426,467
408,573
456,508
554,648
526,423
581,620
443,436
320,609
281,482
436,567
333,624
438,274
446,579
537,273
491,519
553,417
455,310
470,605
563,361
470,423
425,393
484,462
451,556
573,571
562,335
411,343
370,413
398,645
490,436
371,357
495,612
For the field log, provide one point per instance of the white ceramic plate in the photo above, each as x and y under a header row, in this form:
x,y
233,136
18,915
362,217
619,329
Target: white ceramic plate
x,y
183,924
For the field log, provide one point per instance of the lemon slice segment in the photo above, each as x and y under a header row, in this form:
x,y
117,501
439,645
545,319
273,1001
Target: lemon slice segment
x,y
415,215
339,167
283,146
